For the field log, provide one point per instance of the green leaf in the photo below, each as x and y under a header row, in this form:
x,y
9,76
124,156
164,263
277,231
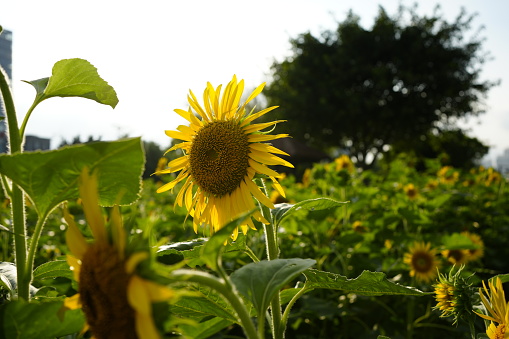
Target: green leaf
x,y
283,210
191,251
457,241
75,78
53,269
367,283
213,248
504,278
260,281
205,329
9,278
205,305
51,177
38,320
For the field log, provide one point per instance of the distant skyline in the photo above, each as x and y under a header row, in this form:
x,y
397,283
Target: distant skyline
x,y
152,54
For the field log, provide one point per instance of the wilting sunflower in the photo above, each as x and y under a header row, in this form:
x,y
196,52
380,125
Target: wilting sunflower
x,y
498,309
422,261
117,303
223,151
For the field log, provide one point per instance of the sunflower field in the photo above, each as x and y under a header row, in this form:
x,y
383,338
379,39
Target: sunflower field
x,y
228,240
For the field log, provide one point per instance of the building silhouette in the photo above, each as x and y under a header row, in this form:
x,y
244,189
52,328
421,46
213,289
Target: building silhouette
x,y
503,162
6,63
32,143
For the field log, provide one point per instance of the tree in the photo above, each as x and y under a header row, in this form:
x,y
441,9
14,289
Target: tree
x,y
365,90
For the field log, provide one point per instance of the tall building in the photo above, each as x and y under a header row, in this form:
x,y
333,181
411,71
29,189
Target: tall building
x,y
6,63
6,52
503,162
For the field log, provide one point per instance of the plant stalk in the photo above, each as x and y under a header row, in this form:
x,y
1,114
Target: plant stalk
x,y
272,254
17,196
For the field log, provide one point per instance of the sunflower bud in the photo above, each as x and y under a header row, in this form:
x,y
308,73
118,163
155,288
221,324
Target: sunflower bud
x,y
453,294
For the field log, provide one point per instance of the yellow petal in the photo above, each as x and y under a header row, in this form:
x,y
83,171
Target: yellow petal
x,y
196,106
267,148
264,137
75,265
134,260
278,187
179,135
138,296
145,327
73,303
177,164
157,292
257,91
268,159
118,232
73,237
262,198
258,127
89,195
257,115
260,168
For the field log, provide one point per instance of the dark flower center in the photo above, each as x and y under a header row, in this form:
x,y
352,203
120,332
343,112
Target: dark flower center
x,y
219,157
422,262
103,293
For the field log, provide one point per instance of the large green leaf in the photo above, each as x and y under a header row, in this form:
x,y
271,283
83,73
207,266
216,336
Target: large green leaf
x,y
260,281
75,78
53,269
205,329
283,210
38,320
367,283
204,305
51,177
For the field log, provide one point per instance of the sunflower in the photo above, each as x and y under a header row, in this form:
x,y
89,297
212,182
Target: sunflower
x,y
477,253
453,295
498,309
343,162
447,175
117,303
422,261
457,256
411,191
223,151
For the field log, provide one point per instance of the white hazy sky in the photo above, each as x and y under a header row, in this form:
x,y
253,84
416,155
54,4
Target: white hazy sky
x,y
153,52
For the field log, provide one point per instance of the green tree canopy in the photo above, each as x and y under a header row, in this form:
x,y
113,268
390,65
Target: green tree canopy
x,y
368,89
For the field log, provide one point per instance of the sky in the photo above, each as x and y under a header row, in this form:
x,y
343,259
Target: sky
x,y
153,53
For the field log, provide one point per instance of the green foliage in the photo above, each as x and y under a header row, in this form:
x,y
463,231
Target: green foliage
x,y
38,320
368,283
260,281
390,85
282,210
361,284
51,177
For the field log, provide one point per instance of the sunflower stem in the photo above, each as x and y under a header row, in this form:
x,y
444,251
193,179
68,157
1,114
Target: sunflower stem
x,y
33,247
272,254
472,326
227,290
288,308
17,196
